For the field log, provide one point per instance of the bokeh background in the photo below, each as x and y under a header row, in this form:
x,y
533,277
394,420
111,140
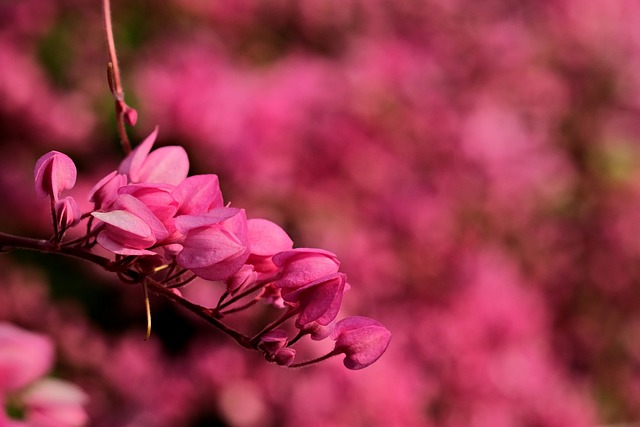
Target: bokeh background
x,y
475,166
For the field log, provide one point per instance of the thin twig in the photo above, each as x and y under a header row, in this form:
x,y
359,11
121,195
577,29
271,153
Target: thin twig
x,y
113,76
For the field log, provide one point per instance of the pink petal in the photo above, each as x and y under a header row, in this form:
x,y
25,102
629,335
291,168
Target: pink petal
x,y
209,246
106,190
132,164
198,194
221,270
320,301
138,208
111,245
156,197
168,165
129,223
186,223
303,266
241,279
267,238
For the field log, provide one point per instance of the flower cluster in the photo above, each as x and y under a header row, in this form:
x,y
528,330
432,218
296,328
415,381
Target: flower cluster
x,y
28,398
166,228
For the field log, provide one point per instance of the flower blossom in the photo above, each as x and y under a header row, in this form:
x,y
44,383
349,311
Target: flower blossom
x,y
29,398
215,244
176,227
54,173
361,339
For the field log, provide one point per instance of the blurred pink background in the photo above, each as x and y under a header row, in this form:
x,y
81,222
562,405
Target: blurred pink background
x,y
474,165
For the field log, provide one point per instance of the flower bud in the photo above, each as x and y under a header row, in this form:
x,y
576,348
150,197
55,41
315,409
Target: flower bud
x,y
361,339
54,173
67,212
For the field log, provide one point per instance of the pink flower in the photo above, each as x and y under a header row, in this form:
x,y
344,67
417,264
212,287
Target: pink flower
x,y
104,193
319,301
266,239
302,266
198,194
24,357
166,165
215,245
158,198
361,339
54,173
131,228
54,403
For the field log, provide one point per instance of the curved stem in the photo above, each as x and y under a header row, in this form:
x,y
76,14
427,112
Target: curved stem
x,y
314,361
279,321
9,242
257,285
113,75
203,312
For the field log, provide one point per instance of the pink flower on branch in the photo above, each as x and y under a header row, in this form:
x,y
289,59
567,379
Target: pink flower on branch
x,y
165,165
166,229
54,173
266,239
319,301
361,339
302,266
198,194
130,229
215,244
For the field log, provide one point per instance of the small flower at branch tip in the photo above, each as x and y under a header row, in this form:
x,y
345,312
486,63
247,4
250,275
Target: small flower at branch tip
x,y
54,173
130,116
361,339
